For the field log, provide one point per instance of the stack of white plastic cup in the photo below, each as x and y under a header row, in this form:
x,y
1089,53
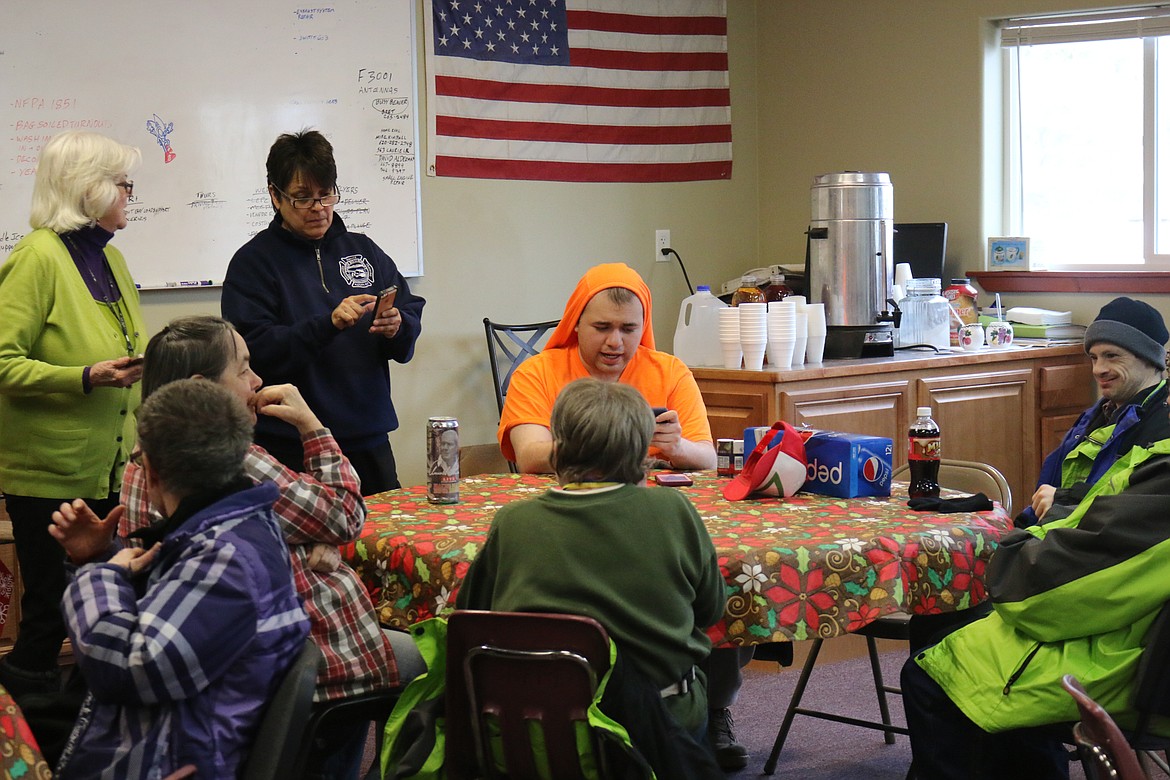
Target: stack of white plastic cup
x,y
902,274
798,350
815,347
753,334
729,337
781,333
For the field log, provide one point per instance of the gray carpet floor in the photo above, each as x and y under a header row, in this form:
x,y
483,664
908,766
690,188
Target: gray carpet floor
x,y
819,749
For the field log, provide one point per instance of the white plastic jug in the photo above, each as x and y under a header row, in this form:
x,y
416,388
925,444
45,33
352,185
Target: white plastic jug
x,y
696,337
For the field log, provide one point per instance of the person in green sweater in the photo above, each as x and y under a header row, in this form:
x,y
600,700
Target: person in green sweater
x,y
70,343
637,559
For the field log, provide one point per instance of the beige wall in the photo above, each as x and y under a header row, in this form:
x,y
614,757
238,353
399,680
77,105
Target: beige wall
x,y
512,251
877,85
895,86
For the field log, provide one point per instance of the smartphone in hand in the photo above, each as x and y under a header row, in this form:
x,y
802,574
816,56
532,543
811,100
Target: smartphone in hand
x,y
658,410
385,300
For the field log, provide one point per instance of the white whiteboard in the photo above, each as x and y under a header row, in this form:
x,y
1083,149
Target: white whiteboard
x,y
227,77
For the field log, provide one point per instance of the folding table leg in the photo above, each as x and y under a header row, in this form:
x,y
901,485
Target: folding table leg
x,y
790,713
879,684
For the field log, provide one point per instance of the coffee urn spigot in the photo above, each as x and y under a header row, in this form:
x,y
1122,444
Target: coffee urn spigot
x,y
894,315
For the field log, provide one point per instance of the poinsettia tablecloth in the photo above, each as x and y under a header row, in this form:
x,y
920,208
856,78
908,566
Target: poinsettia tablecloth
x,y
795,568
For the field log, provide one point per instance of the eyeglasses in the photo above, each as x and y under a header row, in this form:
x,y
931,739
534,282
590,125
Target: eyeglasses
x,y
126,185
308,203
136,457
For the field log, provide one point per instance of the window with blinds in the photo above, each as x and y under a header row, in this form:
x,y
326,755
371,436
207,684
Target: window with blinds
x,y
1087,130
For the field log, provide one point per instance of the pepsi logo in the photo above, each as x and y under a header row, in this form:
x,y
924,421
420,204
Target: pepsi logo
x,y
875,469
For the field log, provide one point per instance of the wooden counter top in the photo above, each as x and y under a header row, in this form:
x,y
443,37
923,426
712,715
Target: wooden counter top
x,y
903,360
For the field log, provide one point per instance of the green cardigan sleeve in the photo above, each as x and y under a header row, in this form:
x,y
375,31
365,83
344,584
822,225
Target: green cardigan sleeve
x,y
28,290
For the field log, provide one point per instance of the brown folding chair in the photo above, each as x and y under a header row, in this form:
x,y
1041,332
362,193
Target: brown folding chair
x,y
1103,749
955,475
519,686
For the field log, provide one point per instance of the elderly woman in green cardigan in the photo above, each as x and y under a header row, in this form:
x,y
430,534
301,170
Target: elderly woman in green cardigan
x,y
70,339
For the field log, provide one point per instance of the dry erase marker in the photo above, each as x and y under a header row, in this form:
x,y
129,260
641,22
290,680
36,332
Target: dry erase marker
x,y
206,283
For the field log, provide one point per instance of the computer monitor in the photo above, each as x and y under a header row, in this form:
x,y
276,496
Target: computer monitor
x,y
924,246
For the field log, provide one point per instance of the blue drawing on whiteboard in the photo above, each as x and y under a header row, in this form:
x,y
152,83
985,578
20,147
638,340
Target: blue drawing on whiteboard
x,y
161,132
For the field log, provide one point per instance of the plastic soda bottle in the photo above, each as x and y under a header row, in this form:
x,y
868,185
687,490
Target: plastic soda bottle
x,y
924,452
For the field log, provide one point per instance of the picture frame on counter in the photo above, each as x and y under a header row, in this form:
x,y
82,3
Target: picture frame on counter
x,y
1008,253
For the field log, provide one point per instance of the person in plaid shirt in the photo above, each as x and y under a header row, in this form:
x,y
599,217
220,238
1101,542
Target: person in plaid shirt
x,y
318,510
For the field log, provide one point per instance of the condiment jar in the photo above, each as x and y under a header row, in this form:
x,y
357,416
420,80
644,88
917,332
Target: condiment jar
x,y
925,315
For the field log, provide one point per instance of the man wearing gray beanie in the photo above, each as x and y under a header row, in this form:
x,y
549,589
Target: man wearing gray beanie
x,y
1127,347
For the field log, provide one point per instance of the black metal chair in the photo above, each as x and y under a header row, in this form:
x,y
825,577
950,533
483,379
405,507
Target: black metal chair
x,y
508,347
351,713
955,475
274,752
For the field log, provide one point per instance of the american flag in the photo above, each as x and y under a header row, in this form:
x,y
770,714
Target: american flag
x,y
578,90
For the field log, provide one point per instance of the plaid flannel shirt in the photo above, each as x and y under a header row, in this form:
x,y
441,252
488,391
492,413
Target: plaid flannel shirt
x,y
321,505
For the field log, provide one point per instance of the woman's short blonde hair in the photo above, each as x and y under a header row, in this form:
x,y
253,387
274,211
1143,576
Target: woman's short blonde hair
x,y
601,432
74,184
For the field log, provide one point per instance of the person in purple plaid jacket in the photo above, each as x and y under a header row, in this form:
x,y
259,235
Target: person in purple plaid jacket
x,y
318,509
164,690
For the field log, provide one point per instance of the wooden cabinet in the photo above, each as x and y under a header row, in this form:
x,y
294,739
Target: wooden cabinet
x,y
988,417
1004,408
876,409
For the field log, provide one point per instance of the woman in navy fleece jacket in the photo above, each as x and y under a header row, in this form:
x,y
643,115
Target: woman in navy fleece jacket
x,y
301,293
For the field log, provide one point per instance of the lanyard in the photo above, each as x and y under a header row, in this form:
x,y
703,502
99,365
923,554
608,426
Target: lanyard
x,y
107,289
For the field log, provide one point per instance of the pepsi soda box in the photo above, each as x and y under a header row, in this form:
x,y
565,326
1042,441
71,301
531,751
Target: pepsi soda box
x,y
752,436
846,465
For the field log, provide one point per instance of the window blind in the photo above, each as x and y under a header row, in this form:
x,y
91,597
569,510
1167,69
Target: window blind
x,y
1147,21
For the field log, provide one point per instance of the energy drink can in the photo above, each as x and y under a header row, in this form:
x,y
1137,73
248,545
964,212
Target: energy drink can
x,y
443,460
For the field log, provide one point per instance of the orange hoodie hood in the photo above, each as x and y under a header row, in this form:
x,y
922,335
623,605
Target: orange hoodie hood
x,y
596,279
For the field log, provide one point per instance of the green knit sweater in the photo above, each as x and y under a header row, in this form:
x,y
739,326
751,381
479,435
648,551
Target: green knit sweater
x,y
636,559
56,440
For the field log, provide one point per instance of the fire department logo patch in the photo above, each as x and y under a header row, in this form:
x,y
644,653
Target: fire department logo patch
x,y
357,271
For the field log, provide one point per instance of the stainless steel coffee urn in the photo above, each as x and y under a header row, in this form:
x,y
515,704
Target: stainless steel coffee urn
x,y
849,262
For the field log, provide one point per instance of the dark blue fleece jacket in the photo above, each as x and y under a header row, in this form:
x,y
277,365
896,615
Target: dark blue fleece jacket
x,y
280,291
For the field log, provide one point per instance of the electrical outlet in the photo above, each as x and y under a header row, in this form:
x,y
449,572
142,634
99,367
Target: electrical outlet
x,y
661,241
